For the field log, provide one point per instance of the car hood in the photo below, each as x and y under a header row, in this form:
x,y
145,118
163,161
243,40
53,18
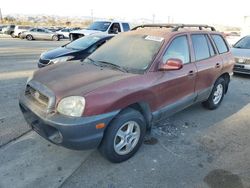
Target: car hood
x,y
58,52
86,32
239,52
76,78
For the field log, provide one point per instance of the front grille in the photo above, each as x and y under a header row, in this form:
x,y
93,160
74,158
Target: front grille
x,y
242,60
44,61
37,97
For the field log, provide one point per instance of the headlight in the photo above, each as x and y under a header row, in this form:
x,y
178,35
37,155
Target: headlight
x,y
42,54
60,59
71,106
30,78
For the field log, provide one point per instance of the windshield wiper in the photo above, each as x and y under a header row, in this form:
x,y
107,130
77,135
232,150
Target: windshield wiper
x,y
93,61
114,66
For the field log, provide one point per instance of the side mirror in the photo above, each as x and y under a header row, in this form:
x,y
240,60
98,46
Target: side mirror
x,y
171,64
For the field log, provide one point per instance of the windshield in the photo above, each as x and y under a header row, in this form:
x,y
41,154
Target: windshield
x,y
83,42
99,26
134,52
243,43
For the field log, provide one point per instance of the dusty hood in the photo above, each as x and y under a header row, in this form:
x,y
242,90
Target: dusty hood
x,y
86,32
76,78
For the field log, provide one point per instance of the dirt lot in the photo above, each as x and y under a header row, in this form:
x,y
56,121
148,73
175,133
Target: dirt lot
x,y
196,148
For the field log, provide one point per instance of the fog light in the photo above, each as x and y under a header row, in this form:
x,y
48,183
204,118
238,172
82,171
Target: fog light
x,y
56,137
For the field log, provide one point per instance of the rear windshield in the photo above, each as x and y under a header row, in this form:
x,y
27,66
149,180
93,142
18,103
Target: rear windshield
x,y
134,52
125,27
83,43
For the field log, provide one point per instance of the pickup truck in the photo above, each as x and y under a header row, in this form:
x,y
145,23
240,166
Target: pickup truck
x,y
105,27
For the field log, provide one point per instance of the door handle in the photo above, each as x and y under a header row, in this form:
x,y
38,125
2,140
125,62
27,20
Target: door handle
x,y
191,73
217,65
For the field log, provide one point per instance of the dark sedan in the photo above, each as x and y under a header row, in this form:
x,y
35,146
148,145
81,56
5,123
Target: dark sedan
x,y
76,50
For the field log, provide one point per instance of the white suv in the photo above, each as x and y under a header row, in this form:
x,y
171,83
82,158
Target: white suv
x,y
19,29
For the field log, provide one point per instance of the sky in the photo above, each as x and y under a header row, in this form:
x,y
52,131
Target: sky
x,y
178,11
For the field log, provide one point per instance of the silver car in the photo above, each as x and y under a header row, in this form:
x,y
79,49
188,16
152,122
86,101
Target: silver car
x,y
40,34
241,52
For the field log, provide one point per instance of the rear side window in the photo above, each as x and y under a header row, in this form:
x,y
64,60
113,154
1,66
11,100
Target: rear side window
x,y
125,27
178,49
220,43
211,48
200,46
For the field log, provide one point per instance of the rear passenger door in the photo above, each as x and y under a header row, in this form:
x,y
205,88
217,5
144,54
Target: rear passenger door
x,y
208,63
223,50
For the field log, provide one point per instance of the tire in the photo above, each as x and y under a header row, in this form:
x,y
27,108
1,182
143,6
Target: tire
x,y
55,38
216,95
29,37
12,35
130,141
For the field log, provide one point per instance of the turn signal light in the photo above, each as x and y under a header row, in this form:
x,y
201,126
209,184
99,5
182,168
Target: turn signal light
x,y
100,126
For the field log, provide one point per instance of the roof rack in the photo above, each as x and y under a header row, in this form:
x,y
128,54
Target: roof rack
x,y
175,27
155,25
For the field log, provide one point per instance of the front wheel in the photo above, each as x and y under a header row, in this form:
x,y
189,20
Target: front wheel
x,y
216,95
29,37
55,38
123,136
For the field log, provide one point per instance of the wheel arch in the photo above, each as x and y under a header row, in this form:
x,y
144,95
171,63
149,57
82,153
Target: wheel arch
x,y
144,109
226,77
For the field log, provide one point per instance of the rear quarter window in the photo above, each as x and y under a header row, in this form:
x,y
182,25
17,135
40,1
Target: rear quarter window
x,y
220,43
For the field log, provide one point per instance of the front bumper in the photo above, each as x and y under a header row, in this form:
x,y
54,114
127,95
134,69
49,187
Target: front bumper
x,y
73,133
241,68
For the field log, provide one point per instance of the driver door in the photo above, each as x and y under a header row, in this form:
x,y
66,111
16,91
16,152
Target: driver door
x,y
176,87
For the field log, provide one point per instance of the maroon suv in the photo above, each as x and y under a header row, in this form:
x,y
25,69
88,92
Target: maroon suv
x,y
133,81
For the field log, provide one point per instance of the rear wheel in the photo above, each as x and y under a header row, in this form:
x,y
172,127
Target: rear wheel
x,y
29,37
55,38
216,95
123,136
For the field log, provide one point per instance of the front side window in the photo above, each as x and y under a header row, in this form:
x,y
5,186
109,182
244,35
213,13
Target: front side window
x,y
40,30
115,28
220,43
178,49
200,46
133,52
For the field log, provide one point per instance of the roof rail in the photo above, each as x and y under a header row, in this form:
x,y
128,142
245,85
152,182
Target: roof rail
x,y
155,25
194,25
175,27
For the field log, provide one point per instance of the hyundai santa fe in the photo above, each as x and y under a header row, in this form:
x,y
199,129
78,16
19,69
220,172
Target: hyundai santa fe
x,y
138,78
